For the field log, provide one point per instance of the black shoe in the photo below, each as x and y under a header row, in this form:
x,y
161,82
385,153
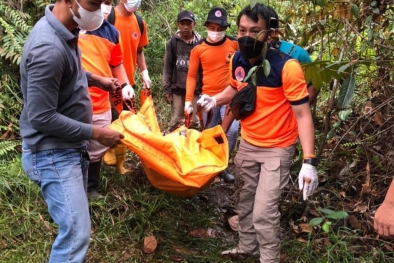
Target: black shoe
x,y
227,177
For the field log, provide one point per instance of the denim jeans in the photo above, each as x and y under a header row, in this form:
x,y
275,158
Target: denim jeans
x,y
232,133
61,175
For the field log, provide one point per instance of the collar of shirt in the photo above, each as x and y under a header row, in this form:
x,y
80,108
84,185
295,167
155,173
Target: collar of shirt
x,y
70,37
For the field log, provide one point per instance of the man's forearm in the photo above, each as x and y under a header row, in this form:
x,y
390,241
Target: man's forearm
x,y
225,96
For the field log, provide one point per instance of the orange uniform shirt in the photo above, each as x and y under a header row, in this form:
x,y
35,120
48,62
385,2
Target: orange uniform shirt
x,y
273,123
213,60
100,49
131,40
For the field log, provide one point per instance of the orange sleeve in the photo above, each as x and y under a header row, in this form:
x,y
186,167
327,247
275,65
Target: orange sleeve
x,y
191,80
294,85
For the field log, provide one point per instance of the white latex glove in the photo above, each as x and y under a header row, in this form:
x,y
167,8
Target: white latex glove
x,y
127,92
307,180
188,107
145,78
206,102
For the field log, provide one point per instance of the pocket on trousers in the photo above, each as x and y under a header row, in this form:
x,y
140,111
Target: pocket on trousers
x,y
271,174
29,164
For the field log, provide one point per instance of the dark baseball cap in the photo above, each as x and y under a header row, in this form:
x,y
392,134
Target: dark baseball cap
x,y
185,15
217,15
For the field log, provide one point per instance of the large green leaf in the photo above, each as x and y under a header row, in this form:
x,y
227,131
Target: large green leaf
x,y
312,73
347,91
326,210
338,215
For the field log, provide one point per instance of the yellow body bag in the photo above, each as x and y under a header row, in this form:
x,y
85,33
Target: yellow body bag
x,y
179,163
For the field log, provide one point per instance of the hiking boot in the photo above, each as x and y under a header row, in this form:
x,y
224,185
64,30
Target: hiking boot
x,y
227,177
237,253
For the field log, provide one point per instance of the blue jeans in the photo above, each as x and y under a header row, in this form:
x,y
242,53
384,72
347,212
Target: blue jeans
x,y
232,133
62,176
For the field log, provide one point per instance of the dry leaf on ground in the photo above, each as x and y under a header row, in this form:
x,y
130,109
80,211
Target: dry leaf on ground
x,y
150,244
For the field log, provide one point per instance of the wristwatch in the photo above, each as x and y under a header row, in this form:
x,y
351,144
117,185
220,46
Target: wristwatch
x,y
311,161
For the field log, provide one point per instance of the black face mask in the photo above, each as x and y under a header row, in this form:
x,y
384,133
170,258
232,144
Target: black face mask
x,y
250,47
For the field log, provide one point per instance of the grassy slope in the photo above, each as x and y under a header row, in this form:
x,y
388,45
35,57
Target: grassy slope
x,y
133,209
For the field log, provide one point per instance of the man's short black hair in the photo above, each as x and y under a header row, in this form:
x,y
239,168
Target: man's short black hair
x,y
259,11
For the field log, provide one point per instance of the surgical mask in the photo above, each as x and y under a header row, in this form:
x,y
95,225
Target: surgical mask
x,y
106,9
132,5
250,47
216,36
89,20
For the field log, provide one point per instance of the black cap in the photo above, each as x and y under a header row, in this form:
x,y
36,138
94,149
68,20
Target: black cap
x,y
185,15
217,15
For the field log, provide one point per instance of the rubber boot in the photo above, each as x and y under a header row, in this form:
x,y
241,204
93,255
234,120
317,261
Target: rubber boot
x,y
227,177
93,180
110,157
120,152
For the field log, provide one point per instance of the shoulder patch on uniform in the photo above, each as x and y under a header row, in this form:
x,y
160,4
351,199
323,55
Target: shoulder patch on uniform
x,y
239,73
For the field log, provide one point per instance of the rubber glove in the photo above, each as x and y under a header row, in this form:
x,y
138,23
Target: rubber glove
x,y
206,102
188,107
127,92
145,78
307,180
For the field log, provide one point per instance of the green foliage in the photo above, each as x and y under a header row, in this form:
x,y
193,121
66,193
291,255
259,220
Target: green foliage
x,y
7,149
325,215
347,91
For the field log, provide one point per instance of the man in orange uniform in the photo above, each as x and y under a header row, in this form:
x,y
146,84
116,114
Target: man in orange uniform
x,y
132,41
269,135
102,55
212,58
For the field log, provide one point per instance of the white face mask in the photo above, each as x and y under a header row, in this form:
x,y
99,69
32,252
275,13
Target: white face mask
x,y
89,20
106,9
132,5
216,36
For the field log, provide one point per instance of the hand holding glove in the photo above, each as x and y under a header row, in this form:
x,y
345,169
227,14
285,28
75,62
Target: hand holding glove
x,y
188,107
307,180
127,92
168,98
145,78
206,102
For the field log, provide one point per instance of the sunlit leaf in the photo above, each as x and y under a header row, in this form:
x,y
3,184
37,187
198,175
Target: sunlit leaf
x,y
347,91
344,114
326,226
343,68
266,67
250,73
253,3
312,73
